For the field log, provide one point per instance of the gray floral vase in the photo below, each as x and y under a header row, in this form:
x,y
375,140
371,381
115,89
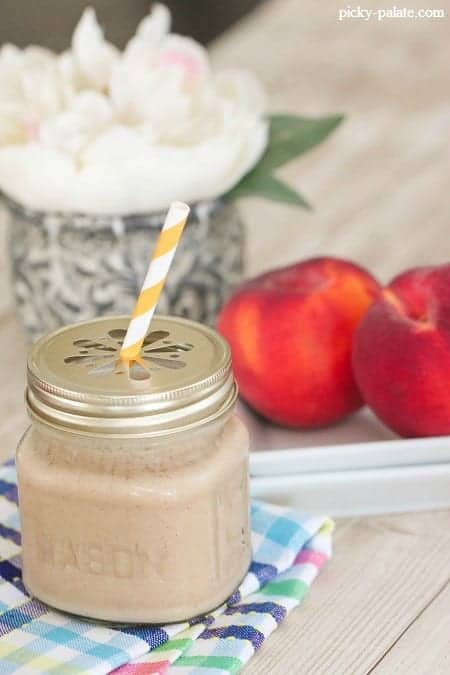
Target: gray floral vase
x,y
70,267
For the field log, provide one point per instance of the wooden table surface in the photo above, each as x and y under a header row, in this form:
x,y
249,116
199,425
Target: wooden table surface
x,y
380,187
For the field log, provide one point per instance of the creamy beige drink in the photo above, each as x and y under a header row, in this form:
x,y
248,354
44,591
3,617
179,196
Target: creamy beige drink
x,y
141,513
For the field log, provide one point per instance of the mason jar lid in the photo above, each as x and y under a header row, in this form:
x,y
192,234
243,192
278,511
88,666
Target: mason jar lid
x,y
76,381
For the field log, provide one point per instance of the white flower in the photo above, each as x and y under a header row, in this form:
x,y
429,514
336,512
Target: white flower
x,y
72,130
154,27
13,124
32,89
94,56
97,130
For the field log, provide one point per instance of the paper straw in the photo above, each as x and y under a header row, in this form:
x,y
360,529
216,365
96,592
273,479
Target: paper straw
x,y
154,281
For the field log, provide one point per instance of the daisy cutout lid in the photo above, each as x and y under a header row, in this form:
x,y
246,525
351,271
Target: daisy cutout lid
x,y
77,381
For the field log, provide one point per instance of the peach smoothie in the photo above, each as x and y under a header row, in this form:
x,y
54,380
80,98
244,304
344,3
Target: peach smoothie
x,y
133,492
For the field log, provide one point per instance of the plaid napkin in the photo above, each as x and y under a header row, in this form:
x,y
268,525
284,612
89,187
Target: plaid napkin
x,y
289,550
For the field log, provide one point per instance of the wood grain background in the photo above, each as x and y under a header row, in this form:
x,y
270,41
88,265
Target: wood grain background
x,y
379,186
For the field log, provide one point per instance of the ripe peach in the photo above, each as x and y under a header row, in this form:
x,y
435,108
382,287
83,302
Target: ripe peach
x,y
290,332
401,356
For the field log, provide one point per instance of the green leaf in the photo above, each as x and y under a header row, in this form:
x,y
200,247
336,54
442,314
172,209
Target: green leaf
x,y
291,136
261,184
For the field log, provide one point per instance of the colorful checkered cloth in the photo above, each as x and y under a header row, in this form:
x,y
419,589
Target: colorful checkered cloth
x,y
289,549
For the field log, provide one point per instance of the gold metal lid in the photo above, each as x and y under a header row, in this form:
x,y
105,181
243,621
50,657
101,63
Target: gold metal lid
x,y
74,382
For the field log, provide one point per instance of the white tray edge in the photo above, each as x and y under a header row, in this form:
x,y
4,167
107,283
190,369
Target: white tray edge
x,y
360,493
373,454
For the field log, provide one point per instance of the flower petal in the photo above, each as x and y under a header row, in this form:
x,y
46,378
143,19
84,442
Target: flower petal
x,y
186,55
94,56
155,26
89,114
243,88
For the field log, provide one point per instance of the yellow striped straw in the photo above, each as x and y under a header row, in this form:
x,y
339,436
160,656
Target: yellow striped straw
x,y
154,282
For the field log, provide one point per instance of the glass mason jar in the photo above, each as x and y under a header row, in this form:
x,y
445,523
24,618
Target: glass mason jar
x,y
133,486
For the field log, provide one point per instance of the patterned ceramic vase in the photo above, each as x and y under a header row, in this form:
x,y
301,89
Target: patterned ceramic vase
x,y
69,267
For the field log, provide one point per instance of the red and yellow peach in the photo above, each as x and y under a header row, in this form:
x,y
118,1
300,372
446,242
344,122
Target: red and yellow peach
x,y
401,356
291,333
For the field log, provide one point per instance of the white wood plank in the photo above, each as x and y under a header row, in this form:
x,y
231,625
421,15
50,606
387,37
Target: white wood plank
x,y
359,180
384,572
425,647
